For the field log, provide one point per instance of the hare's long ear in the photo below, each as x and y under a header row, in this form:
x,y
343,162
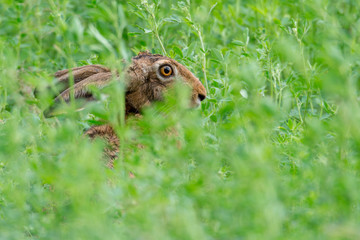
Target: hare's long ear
x,y
84,77
81,89
78,74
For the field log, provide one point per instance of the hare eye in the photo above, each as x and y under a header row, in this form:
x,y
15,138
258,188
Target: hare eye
x,y
166,70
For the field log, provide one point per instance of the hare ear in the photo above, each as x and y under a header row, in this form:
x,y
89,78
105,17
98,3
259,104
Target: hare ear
x,y
78,74
81,89
84,77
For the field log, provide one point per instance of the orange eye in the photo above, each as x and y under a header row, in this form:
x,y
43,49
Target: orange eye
x,y
166,70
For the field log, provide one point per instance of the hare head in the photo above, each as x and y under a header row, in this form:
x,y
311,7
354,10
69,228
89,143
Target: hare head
x,y
147,77
150,75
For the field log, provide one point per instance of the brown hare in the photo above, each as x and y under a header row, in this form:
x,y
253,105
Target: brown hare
x,y
146,79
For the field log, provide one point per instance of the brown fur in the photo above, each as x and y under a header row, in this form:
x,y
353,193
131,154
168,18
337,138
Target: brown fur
x,y
144,84
106,132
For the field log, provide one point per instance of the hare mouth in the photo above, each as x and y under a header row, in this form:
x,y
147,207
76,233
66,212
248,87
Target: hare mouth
x,y
196,103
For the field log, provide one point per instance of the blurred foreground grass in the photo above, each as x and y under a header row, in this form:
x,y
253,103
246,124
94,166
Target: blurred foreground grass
x,y
273,153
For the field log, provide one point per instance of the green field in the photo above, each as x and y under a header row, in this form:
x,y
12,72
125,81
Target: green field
x,y
273,153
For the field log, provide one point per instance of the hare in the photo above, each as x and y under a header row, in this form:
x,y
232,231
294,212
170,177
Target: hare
x,y
147,77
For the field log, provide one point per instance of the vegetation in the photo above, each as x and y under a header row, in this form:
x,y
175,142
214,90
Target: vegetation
x,y
273,153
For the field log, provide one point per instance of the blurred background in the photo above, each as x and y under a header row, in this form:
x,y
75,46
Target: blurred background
x,y
273,153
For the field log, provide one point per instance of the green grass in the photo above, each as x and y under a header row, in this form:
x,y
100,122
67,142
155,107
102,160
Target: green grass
x,y
272,154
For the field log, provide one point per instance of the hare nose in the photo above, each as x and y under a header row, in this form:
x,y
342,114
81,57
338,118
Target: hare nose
x,y
201,97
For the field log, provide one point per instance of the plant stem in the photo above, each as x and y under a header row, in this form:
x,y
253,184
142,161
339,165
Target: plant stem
x,y
157,35
204,61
